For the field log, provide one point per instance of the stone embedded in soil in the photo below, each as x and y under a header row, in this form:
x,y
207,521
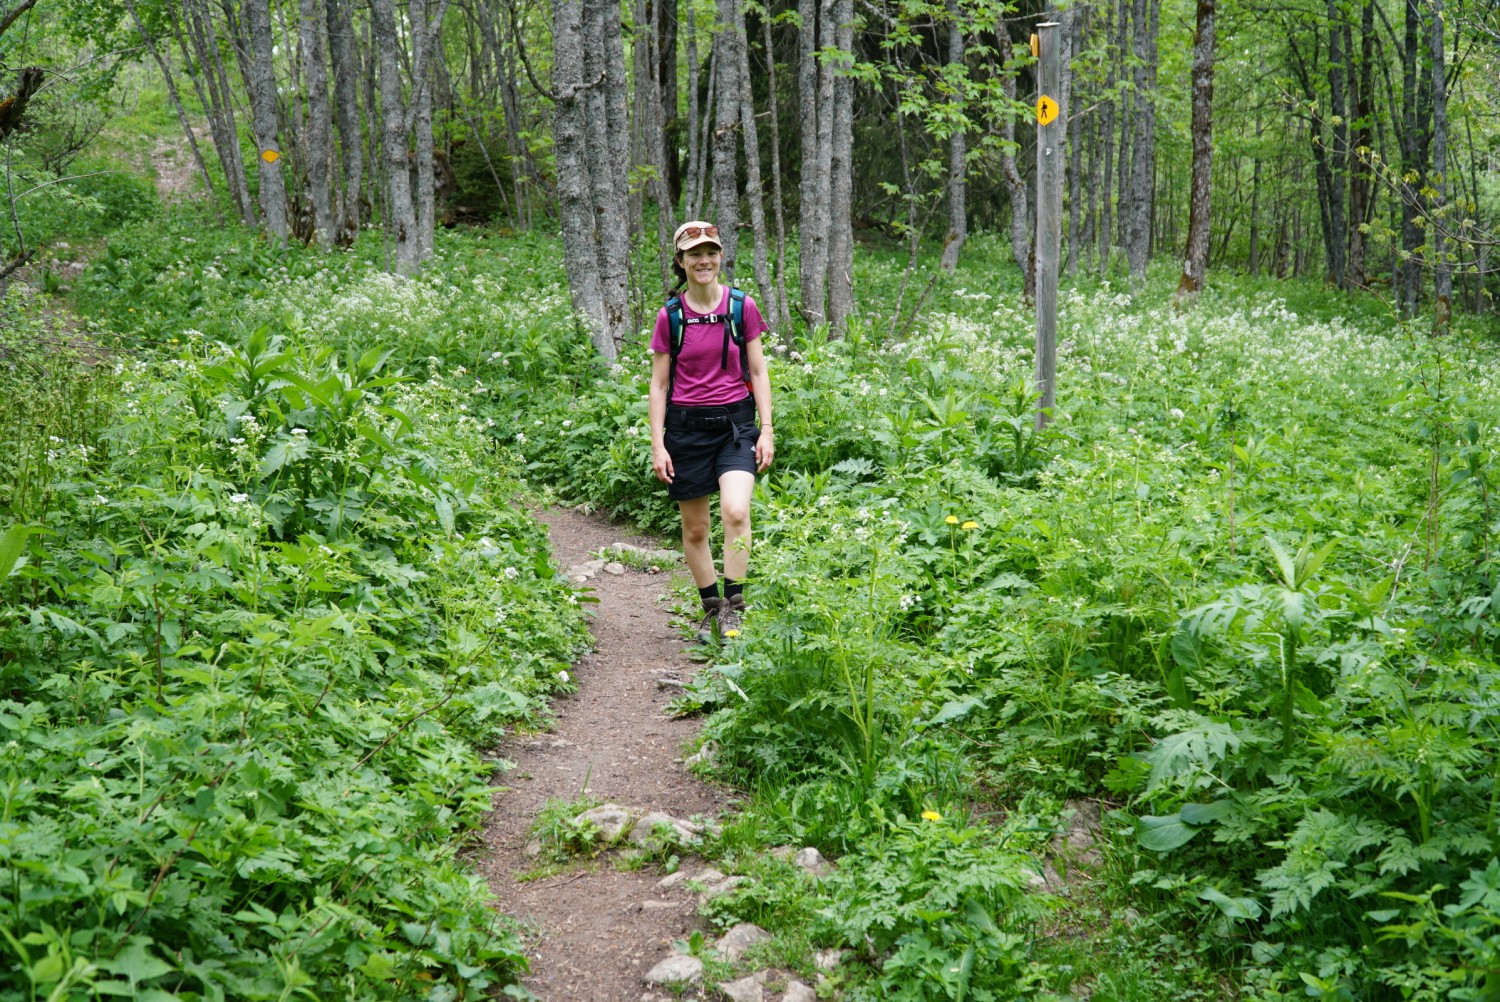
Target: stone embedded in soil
x,y
533,848
796,991
827,960
659,829
614,567
812,861
745,989
672,881
611,820
704,756
678,970
734,943
722,887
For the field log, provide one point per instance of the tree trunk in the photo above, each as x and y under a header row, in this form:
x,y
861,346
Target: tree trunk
x,y
695,111
1361,181
753,188
1413,163
401,216
1200,200
841,174
666,82
812,226
958,229
574,184
1143,155
657,144
726,194
260,80
607,150
317,131
344,58
782,310
1338,237
423,43
1442,268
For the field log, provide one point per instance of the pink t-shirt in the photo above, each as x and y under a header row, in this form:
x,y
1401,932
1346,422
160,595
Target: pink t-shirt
x,y
700,380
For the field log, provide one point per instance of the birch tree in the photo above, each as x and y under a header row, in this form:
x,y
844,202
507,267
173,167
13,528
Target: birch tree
x,y
317,128
958,227
726,195
260,81
1195,260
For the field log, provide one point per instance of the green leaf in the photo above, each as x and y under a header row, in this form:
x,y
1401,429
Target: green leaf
x,y
1206,814
13,549
955,709
1162,834
1284,561
444,509
1247,909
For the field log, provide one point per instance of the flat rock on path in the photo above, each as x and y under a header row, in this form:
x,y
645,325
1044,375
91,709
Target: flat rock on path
x,y
594,942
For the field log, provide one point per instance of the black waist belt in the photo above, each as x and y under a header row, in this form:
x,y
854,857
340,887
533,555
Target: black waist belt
x,y
725,418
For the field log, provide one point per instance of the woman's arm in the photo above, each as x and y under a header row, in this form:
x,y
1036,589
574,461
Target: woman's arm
x,y
760,387
656,409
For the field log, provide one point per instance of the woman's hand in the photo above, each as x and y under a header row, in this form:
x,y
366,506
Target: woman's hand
x,y
765,450
661,464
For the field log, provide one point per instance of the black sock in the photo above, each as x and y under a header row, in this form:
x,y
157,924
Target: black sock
x,y
733,587
712,591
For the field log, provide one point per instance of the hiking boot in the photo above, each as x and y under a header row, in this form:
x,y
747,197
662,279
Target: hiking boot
x,y
708,626
731,614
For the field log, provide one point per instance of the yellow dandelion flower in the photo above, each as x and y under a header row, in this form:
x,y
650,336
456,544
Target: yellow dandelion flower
x,y
951,520
970,525
731,633
932,816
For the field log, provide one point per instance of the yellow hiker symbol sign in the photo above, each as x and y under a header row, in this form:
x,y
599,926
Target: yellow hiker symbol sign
x,y
1046,110
270,156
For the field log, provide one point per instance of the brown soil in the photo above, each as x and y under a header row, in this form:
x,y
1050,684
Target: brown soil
x,y
598,930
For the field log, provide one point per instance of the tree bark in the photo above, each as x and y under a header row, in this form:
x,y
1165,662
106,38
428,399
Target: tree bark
x,y
754,193
260,80
317,130
344,58
694,154
666,82
726,195
812,225
782,310
423,43
841,173
1143,154
607,150
958,229
574,185
1361,180
1200,200
401,217
1442,268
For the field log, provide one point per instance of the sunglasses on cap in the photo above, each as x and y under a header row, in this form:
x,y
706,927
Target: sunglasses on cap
x,y
694,232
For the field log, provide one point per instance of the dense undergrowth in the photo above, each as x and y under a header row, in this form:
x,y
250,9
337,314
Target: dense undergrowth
x,y
1243,591
263,599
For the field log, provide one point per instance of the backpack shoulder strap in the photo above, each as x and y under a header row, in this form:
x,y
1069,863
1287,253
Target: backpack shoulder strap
x,y
737,328
675,325
675,328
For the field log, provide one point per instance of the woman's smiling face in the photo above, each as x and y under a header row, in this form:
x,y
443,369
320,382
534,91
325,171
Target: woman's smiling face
x,y
702,263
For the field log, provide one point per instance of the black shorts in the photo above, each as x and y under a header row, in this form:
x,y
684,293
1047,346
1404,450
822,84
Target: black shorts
x,y
705,442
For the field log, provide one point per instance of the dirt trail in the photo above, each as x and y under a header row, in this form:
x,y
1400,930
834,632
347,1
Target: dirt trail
x,y
599,930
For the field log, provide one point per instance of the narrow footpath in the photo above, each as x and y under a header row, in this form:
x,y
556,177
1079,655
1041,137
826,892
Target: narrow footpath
x,y
598,930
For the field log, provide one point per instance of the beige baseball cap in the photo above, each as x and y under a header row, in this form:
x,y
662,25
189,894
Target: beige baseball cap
x,y
695,232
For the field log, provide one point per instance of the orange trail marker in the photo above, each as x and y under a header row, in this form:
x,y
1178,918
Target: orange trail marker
x,y
270,156
1046,110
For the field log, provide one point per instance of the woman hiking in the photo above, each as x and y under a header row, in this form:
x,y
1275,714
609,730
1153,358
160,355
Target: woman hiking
x,y
708,384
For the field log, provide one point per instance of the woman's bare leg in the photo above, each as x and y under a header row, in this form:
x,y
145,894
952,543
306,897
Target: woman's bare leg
x,y
695,537
735,489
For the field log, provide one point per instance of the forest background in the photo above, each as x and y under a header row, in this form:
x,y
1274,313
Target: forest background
x,y
261,449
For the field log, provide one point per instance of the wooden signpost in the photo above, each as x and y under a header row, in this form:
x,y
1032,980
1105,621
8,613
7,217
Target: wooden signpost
x,y
1051,122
